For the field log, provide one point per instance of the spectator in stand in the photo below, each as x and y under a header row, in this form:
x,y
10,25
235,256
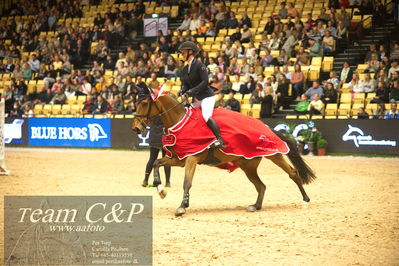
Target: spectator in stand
x,y
315,48
379,113
316,106
246,34
355,84
255,99
269,27
59,97
346,74
373,64
393,113
245,20
394,68
100,106
362,114
26,72
372,50
283,12
85,87
394,92
248,86
232,103
332,79
266,102
291,11
315,89
302,106
283,100
185,25
330,94
153,83
368,84
381,94
232,22
328,43
395,51
34,63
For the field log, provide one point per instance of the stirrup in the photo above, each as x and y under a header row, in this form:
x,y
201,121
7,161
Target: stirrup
x,y
219,144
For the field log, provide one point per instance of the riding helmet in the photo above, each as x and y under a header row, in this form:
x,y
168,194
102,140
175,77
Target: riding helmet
x,y
189,46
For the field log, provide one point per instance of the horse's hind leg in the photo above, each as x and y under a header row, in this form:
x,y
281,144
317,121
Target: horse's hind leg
x,y
279,160
191,164
250,169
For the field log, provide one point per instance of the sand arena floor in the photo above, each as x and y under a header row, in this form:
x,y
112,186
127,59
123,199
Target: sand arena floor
x,y
352,219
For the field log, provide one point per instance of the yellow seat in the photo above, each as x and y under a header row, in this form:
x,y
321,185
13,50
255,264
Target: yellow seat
x,y
346,98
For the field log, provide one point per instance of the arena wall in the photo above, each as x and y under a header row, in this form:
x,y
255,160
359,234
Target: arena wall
x,y
343,136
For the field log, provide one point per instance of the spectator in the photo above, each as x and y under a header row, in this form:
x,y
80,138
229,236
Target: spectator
x,y
291,11
248,86
255,95
85,87
185,25
246,34
379,113
246,21
362,114
316,106
315,48
394,92
101,105
269,27
232,22
394,68
381,94
332,79
266,101
372,50
330,94
59,97
328,43
194,23
153,83
34,63
315,89
302,106
368,84
373,64
232,103
26,72
283,12
393,113
346,74
355,84
395,51
283,99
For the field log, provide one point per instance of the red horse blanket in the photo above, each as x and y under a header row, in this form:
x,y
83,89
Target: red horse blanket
x,y
244,136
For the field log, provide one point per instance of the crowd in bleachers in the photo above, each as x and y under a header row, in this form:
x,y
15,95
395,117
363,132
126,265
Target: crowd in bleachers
x,y
264,55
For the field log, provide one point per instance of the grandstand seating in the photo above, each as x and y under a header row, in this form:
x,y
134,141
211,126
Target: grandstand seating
x,y
347,105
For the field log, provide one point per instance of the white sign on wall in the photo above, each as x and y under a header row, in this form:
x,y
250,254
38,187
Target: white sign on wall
x,y
154,24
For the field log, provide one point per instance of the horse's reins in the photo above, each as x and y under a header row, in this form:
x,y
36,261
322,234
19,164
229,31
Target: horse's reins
x,y
158,115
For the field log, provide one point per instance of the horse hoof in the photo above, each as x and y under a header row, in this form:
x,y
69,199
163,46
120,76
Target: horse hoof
x,y
306,200
161,191
144,184
252,208
167,184
180,211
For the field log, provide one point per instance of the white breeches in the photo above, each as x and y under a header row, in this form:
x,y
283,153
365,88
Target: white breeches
x,y
206,105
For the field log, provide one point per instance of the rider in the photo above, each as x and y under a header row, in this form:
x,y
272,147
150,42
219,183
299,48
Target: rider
x,y
195,83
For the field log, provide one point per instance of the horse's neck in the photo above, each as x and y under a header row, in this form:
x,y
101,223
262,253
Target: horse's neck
x,y
173,112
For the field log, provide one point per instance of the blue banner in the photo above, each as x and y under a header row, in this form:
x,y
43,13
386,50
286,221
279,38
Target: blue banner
x,y
70,132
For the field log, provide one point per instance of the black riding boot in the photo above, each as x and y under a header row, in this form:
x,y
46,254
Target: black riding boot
x,y
216,131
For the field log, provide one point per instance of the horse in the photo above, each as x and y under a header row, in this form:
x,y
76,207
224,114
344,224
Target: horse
x,y
172,111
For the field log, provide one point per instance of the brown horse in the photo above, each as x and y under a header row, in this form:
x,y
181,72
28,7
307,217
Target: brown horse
x,y
172,111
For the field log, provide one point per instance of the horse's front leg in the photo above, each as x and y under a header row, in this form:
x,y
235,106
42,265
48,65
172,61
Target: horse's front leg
x,y
165,161
191,163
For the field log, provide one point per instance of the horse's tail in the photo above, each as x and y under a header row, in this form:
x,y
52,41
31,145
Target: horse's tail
x,y
306,173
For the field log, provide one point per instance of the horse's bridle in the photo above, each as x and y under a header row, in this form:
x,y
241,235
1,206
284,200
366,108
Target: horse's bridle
x,y
155,116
